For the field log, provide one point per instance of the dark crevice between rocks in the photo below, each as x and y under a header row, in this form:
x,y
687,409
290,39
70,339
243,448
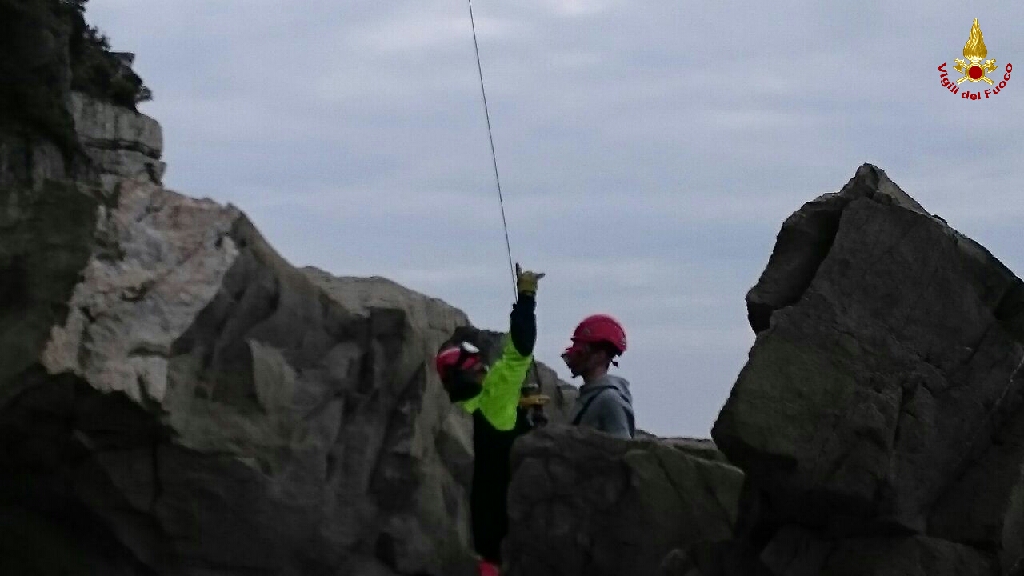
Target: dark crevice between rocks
x,y
54,491
709,491
120,145
805,245
1017,569
757,524
384,550
138,293
1010,400
247,297
787,547
1010,311
158,484
14,294
109,249
975,346
394,490
989,440
38,279
82,354
765,466
365,385
676,489
908,393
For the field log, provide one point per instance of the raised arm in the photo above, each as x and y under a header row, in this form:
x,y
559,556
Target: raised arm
x,y
500,395
523,323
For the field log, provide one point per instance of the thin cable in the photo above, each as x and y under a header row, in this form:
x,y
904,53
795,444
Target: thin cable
x,y
538,413
494,158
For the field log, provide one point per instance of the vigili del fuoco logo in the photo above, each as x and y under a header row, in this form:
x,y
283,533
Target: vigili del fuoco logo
x,y
973,70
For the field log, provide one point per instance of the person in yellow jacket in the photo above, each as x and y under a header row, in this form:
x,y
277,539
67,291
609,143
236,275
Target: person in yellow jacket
x,y
492,396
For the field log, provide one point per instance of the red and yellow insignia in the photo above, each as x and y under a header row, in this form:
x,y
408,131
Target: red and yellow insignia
x,y
974,51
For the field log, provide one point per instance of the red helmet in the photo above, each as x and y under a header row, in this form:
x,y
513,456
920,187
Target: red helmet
x,y
461,356
601,328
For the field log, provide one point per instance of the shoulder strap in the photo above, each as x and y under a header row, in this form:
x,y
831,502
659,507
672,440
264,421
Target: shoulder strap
x,y
586,406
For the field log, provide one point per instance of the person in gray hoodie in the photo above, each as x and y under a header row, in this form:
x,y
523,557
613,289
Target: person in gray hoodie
x,y
604,402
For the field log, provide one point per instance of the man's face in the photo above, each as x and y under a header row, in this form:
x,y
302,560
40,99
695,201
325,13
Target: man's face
x,y
466,383
477,373
580,357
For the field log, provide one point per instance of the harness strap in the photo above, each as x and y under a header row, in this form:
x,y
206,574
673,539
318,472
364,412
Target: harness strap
x,y
586,405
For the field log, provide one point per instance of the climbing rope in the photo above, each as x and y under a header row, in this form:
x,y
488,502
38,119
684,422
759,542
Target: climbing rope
x,y
537,411
494,157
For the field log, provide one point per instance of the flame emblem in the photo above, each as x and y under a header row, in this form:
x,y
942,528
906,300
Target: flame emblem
x,y
974,51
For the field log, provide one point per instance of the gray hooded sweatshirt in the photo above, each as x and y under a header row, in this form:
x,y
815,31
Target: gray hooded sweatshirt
x,y
607,405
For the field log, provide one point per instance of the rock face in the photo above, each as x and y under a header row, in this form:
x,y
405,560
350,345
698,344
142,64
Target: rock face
x,y
175,398
584,503
173,388
121,143
199,406
27,162
114,143
49,127
880,417
35,77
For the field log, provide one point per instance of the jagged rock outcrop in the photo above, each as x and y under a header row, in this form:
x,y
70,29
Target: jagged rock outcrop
x,y
121,143
585,503
175,398
202,407
59,89
112,143
880,417
175,389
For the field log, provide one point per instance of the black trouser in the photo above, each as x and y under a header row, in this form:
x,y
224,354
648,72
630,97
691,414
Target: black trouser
x,y
489,519
488,498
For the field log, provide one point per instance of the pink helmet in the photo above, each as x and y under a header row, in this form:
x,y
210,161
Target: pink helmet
x,y
462,356
600,328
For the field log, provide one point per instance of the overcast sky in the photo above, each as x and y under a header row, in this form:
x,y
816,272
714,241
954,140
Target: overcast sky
x,y
648,151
